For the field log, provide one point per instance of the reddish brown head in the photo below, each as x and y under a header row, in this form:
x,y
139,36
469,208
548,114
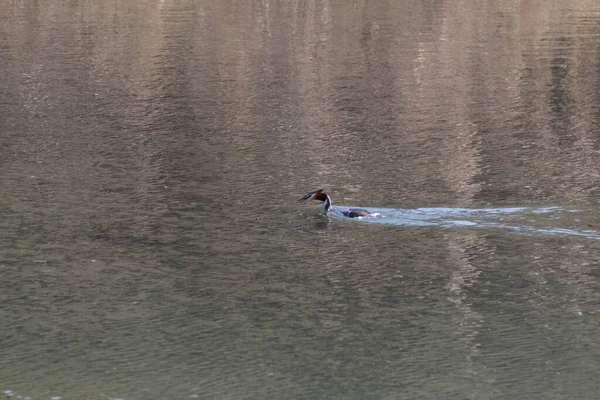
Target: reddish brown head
x,y
319,195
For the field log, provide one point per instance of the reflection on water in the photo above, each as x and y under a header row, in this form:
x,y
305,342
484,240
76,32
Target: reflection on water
x,y
151,248
503,218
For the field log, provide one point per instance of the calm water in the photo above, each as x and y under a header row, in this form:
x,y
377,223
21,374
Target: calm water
x,y
151,153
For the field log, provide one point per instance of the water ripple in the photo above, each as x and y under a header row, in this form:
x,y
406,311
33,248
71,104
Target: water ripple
x,y
497,218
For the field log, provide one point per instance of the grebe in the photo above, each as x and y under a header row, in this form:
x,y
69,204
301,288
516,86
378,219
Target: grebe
x,y
326,206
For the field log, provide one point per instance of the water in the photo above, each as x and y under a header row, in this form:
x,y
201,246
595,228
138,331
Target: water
x,y
151,246
508,218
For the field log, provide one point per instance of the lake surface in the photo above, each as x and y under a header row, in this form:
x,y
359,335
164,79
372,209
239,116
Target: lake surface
x,y
151,153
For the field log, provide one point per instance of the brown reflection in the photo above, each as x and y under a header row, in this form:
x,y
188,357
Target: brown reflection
x,y
354,96
468,320
151,151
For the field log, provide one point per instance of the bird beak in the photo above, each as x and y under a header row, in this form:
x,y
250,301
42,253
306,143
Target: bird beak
x,y
306,196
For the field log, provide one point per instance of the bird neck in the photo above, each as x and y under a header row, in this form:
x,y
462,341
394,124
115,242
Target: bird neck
x,y
325,205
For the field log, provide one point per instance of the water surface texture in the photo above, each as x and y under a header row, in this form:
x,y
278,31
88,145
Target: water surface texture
x,y
510,219
151,153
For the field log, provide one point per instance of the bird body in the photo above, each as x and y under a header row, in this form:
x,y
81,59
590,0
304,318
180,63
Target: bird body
x,y
325,205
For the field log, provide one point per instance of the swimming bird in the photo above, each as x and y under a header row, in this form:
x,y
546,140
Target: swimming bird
x,y
326,206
